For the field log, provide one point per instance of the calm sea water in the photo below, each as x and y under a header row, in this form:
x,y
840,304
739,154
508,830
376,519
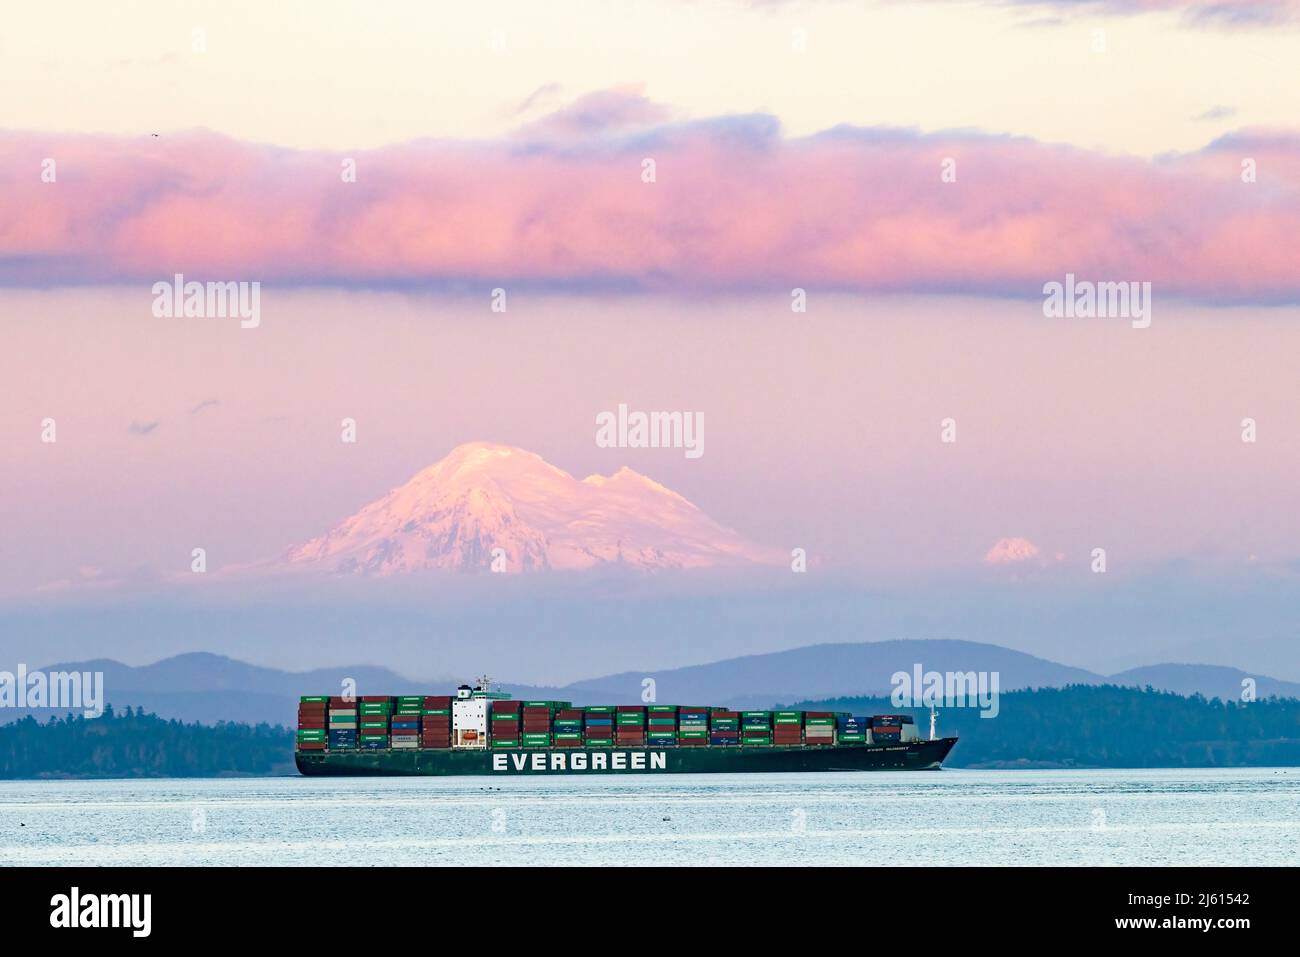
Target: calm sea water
x,y
1247,816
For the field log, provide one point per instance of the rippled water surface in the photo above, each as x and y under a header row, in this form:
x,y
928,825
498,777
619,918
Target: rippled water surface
x,y
1245,816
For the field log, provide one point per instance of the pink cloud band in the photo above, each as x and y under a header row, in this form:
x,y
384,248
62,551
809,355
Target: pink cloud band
x,y
733,206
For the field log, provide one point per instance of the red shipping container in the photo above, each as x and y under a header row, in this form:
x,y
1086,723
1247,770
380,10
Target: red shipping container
x,y
571,715
375,697
341,702
311,745
311,724
437,701
629,708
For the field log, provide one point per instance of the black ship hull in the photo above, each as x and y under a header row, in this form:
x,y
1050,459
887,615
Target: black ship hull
x,y
914,756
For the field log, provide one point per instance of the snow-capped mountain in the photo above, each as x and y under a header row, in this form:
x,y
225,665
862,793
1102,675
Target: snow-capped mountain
x,y
483,497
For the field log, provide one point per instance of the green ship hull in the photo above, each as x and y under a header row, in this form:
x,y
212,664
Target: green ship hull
x,y
914,756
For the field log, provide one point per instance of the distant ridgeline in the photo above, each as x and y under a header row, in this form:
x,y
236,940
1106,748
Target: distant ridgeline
x,y
1078,726
1110,727
131,744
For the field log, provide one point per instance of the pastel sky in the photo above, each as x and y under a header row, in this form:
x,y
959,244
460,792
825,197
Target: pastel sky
x,y
921,170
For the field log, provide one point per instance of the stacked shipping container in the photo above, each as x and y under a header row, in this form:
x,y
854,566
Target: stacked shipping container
x,y
692,726
416,721
787,728
435,721
373,713
567,728
629,726
503,728
887,728
598,726
311,722
343,726
818,727
661,725
756,728
724,727
537,724
850,729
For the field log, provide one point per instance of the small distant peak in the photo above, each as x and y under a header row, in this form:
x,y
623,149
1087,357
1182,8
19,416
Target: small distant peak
x,y
625,477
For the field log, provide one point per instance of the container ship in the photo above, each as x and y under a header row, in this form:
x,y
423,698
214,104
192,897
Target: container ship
x,y
481,732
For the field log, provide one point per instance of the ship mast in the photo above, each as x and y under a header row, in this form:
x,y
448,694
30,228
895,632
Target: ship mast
x,y
933,715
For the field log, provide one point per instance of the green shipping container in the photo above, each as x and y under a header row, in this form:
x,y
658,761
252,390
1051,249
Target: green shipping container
x,y
314,697
671,708
505,743
599,743
435,711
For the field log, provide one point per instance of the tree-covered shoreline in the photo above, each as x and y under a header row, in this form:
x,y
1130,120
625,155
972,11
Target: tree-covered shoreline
x,y
132,744
1081,726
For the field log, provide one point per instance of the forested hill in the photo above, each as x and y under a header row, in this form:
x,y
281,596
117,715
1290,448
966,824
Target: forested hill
x,y
1108,726
130,744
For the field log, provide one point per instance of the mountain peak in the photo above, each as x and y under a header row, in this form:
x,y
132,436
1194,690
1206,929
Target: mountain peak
x,y
486,501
